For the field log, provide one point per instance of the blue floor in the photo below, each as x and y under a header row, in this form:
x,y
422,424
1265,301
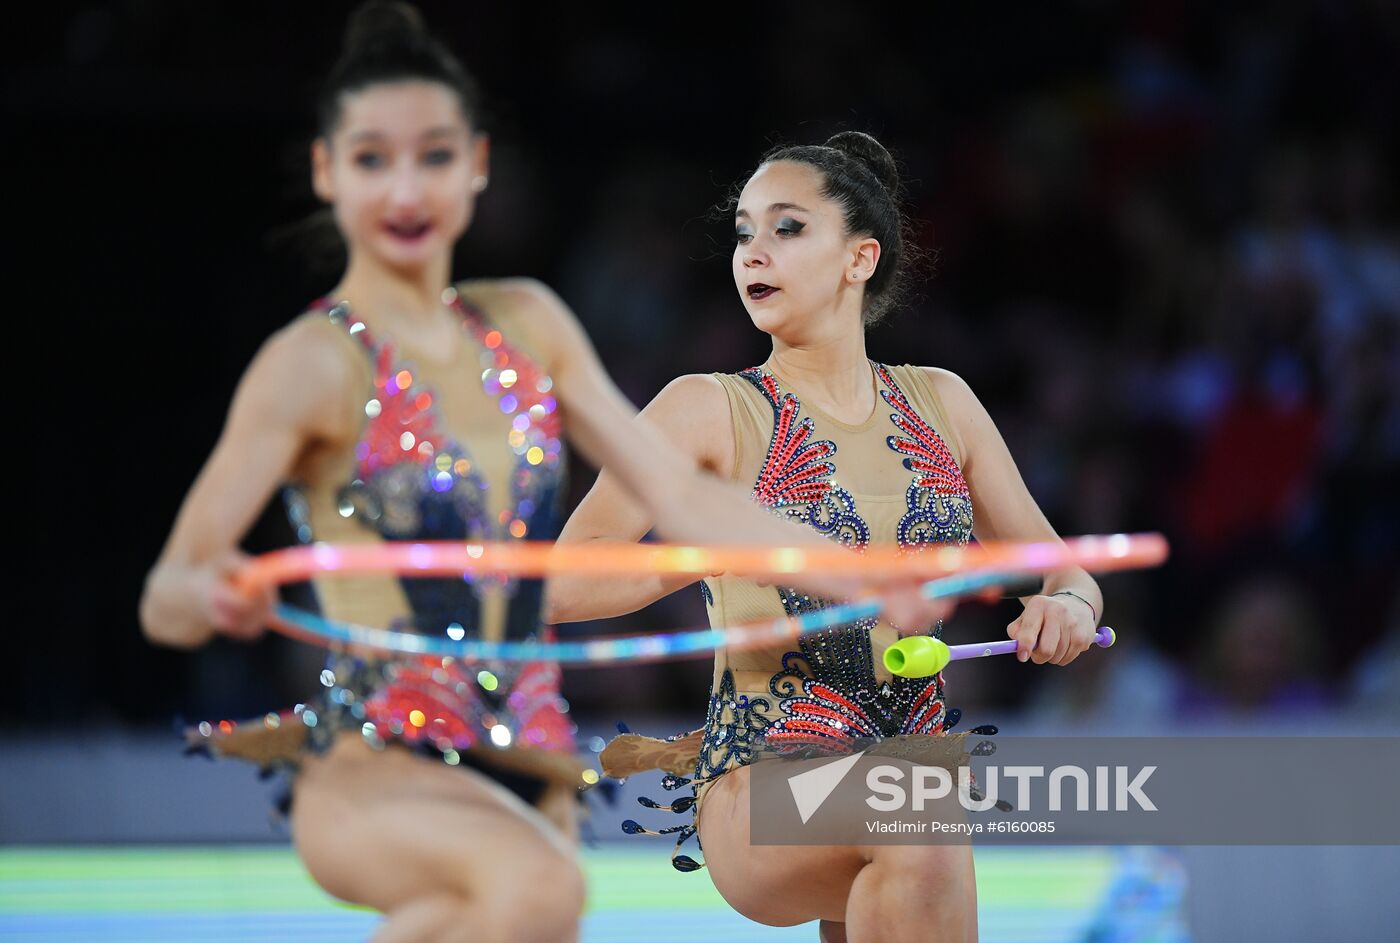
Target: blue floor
x,y
241,894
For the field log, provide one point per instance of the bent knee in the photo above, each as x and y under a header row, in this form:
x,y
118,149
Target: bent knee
x,y
933,865
327,848
760,900
766,910
543,883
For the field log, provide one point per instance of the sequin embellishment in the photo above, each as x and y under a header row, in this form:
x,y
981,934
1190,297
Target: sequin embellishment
x,y
796,476
828,694
413,482
938,500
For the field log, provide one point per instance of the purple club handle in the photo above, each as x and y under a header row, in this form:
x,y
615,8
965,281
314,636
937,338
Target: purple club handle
x,y
1103,639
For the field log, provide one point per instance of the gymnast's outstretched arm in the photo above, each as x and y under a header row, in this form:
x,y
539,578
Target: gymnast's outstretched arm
x,y
655,479
1059,622
693,413
296,395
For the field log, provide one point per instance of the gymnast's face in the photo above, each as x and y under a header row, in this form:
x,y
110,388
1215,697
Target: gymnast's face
x,y
799,274
401,170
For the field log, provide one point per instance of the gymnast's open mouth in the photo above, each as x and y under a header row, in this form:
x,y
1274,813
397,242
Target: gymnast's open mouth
x,y
408,231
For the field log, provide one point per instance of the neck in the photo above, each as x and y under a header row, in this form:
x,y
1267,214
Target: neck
x,y
394,297
836,367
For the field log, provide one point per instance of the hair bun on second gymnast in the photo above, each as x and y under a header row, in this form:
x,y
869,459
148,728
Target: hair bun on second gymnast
x,y
869,152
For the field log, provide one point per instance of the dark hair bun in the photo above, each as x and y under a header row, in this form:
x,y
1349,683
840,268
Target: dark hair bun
x,y
387,41
383,23
869,152
861,176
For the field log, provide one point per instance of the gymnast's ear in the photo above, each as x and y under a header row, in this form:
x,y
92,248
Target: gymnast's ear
x,y
481,154
321,170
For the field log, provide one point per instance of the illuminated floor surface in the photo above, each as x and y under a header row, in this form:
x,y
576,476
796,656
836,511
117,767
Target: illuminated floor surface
x,y
240,894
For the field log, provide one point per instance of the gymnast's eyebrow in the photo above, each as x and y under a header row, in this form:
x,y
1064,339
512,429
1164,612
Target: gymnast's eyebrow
x,y
363,136
777,207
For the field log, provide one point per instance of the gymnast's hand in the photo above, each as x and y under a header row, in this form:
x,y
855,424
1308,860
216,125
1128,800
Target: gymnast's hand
x,y
907,611
228,606
1053,629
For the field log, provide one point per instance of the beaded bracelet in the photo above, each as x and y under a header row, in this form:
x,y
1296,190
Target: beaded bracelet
x,y
1070,592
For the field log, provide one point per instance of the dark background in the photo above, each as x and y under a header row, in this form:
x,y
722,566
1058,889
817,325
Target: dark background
x,y
1165,257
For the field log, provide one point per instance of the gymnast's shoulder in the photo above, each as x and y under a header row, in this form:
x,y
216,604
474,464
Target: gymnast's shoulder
x,y
970,420
526,310
316,350
947,384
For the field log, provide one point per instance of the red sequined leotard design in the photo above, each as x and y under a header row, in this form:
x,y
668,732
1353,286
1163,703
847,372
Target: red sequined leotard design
x,y
468,449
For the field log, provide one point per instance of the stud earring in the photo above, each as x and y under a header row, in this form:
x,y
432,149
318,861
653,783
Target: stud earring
x,y
479,184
